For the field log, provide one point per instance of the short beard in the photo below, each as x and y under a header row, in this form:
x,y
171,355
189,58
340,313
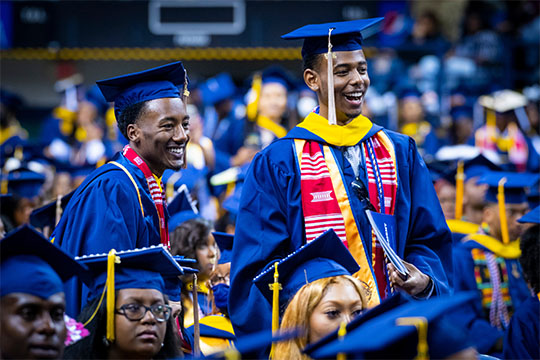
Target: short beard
x,y
354,116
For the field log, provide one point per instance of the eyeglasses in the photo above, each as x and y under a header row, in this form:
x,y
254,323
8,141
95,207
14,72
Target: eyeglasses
x,y
136,312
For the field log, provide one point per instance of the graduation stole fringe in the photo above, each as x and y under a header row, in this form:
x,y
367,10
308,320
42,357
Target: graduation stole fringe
x,y
325,202
491,276
156,191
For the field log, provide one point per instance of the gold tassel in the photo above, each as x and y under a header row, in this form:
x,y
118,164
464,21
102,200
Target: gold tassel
x,y
421,325
460,178
254,95
502,211
112,259
341,335
275,287
331,101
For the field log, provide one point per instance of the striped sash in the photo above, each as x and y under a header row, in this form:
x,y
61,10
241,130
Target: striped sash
x,y
325,201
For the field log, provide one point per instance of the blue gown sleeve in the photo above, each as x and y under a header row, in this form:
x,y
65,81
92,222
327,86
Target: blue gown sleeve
x,y
429,241
261,235
482,334
105,216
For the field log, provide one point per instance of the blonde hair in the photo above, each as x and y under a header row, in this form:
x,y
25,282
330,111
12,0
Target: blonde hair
x,y
301,307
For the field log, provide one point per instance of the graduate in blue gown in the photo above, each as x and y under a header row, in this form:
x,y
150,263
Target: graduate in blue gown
x,y
271,220
522,338
487,262
121,205
32,272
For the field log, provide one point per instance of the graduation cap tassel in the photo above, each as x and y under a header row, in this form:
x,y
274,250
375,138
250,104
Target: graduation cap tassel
x,y
112,259
275,287
421,325
331,101
460,178
502,211
341,335
253,98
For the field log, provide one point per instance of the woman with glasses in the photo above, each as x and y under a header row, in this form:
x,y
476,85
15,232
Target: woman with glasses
x,y
136,323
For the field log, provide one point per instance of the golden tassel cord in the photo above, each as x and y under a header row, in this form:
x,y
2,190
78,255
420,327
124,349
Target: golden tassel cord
x,y
341,335
502,211
460,179
112,259
275,287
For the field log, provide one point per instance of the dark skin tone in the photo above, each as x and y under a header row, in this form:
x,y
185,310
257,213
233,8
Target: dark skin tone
x,y
351,81
32,327
160,134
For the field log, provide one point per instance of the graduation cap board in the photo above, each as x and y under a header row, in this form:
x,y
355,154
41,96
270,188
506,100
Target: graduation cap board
x,y
144,268
399,323
514,185
31,264
49,214
503,101
24,182
225,243
331,37
507,188
397,299
532,216
251,346
181,208
323,257
217,88
166,81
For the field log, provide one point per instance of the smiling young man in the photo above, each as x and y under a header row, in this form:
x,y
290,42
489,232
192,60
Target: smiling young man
x,y
122,205
325,173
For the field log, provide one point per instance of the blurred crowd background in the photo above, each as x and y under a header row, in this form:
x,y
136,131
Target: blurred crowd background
x,y
437,69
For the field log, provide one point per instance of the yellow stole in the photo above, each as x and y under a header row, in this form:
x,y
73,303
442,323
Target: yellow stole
x,y
276,129
507,251
346,135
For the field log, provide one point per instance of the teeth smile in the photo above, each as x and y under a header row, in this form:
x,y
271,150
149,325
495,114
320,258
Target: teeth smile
x,y
176,150
354,95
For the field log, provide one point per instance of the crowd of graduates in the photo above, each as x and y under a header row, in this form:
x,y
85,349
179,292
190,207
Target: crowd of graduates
x,y
479,140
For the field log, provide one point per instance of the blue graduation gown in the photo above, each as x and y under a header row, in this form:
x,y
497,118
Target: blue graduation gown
x,y
522,338
104,214
270,222
482,334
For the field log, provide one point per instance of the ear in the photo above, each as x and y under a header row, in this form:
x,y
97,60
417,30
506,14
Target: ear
x,y
312,79
490,214
133,133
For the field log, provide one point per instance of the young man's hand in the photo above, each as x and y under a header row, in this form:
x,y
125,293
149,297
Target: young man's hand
x,y
416,281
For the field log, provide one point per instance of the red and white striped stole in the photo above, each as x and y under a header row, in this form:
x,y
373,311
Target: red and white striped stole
x,y
321,209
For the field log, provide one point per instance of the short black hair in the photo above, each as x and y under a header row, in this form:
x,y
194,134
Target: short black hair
x,y
129,116
530,256
311,61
